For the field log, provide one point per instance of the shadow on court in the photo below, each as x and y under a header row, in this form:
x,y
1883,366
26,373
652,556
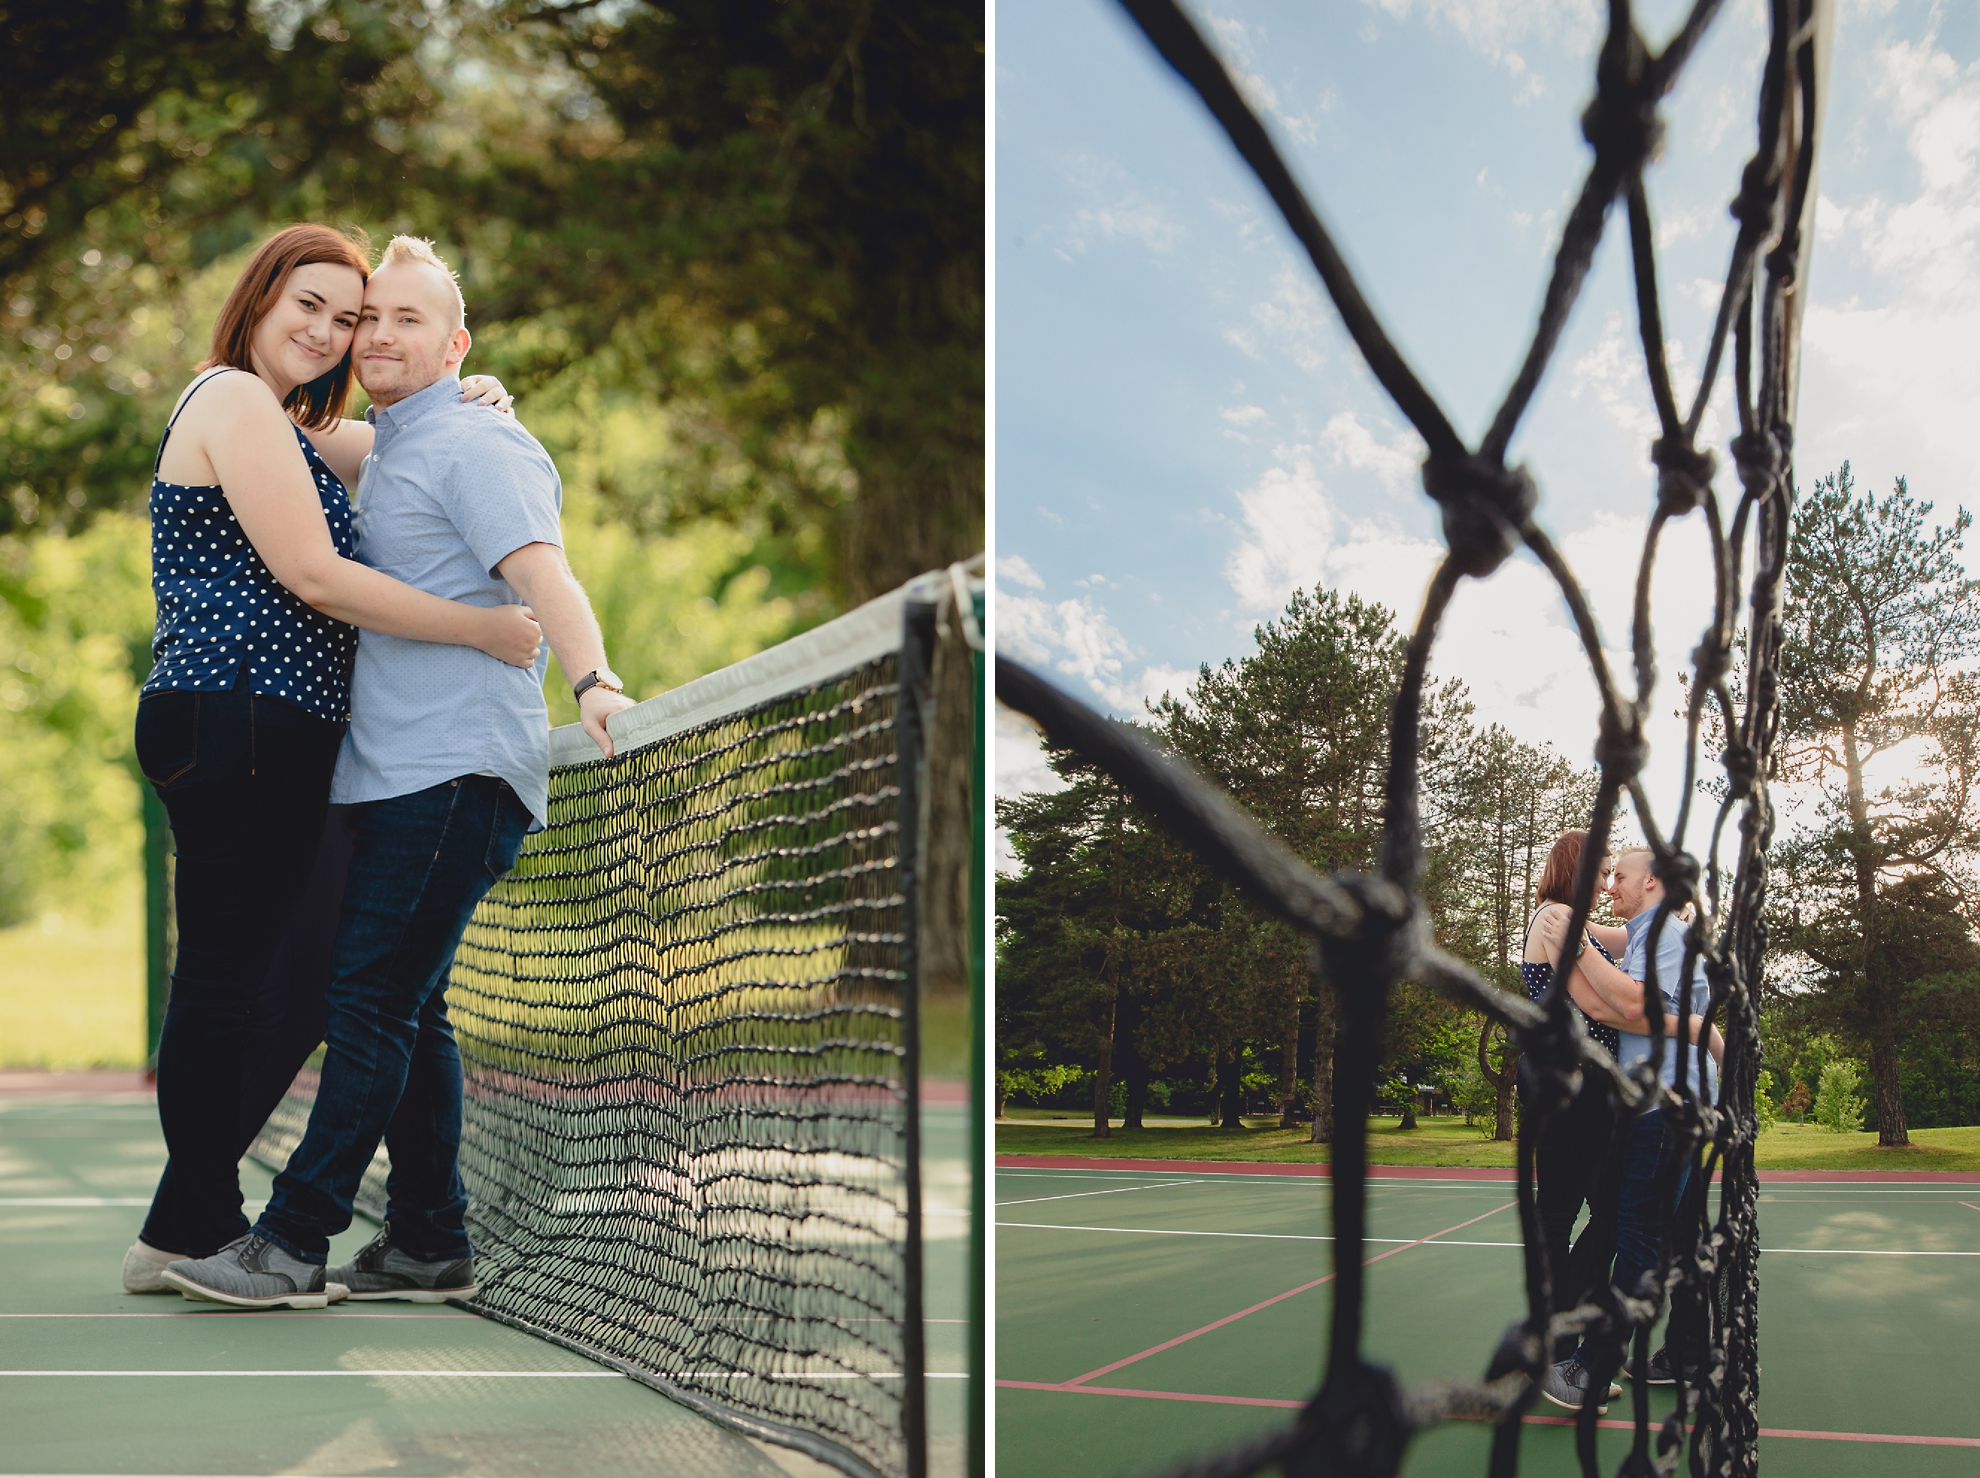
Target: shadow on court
x,y
1145,1318
96,1381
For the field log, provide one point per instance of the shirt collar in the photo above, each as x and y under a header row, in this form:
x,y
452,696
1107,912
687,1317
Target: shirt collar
x,y
1637,925
398,417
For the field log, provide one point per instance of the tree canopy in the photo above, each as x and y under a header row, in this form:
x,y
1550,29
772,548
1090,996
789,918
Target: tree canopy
x,y
1880,717
728,254
763,215
1118,950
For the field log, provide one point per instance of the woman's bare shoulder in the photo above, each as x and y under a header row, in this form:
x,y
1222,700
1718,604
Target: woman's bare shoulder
x,y
228,392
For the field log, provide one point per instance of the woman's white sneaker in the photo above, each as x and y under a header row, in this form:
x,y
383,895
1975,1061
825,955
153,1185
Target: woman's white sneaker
x,y
144,1269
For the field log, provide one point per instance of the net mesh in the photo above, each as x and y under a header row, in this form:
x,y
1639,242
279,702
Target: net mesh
x,y
688,1040
1371,929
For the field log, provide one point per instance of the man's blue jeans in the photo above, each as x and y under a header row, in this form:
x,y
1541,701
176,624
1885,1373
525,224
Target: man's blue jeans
x,y
391,1069
1639,1218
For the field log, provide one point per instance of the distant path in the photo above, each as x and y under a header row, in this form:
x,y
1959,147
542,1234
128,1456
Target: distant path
x,y
1425,1172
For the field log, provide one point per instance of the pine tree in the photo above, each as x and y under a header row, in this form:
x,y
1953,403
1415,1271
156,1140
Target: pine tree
x,y
1882,626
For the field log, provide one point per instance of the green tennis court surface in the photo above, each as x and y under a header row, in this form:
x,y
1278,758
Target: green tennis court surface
x,y
96,1381
1144,1317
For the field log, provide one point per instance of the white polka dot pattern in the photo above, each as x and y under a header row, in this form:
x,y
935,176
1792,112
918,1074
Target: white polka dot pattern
x,y
220,607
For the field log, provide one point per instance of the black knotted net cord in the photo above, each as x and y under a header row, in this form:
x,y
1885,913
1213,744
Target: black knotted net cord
x,y
689,1044
1370,930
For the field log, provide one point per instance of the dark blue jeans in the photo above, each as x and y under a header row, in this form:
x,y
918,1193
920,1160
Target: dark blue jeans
x,y
391,1070
1639,1219
245,779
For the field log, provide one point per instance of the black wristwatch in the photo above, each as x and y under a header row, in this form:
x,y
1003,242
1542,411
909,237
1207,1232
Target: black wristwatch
x,y
598,677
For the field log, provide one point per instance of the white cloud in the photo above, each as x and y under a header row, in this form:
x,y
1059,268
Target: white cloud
x,y
1295,537
1243,415
1240,58
1509,639
1395,463
1018,767
1295,320
1114,211
1017,569
1078,639
1612,373
1888,366
1495,28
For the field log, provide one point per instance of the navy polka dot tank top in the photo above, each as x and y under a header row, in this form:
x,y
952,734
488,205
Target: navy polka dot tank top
x,y
223,618
1537,974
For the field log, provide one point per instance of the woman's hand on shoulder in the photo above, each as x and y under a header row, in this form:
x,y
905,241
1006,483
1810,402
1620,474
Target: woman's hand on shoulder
x,y
487,390
1552,926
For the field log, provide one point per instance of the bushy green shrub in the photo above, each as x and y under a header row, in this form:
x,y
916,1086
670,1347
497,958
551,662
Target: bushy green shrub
x,y
1838,1107
1475,1097
1764,1108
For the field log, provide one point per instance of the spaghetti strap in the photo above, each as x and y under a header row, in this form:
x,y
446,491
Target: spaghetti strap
x,y
197,385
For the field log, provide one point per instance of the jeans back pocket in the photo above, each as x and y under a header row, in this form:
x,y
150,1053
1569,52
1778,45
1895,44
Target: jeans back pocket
x,y
167,737
506,829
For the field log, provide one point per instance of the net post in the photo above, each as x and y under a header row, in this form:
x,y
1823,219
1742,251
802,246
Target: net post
x,y
157,920
978,1070
910,741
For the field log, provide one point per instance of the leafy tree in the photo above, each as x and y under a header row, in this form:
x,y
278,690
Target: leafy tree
x,y
1882,626
1088,966
1838,1108
1517,799
1298,733
766,214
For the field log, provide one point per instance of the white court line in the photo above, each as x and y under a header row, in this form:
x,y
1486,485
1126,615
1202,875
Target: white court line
x,y
429,1374
1053,1226
509,1374
345,1312
1497,1187
342,1313
88,1202
1075,1195
74,1201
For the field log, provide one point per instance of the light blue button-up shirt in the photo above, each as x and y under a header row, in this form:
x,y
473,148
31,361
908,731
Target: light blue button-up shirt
x,y
449,492
1670,981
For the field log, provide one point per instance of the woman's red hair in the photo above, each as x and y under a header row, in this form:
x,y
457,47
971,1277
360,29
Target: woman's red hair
x,y
320,403
1557,877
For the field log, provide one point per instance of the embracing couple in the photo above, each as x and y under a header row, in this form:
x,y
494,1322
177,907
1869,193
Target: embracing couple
x,y
382,653
1609,988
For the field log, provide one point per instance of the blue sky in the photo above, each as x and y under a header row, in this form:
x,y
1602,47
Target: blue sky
x,y
1184,434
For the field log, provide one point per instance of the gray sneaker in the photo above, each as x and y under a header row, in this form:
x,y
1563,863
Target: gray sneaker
x,y
252,1272
382,1271
1566,1384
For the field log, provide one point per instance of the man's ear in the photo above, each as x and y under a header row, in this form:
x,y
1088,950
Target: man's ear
x,y
458,346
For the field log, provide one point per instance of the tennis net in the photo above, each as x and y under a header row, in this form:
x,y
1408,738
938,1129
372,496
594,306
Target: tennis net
x,y
688,1027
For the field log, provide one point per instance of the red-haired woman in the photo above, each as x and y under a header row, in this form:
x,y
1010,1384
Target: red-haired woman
x,y
1568,1159
240,721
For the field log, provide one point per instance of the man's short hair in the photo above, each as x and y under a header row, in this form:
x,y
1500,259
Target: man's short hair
x,y
419,249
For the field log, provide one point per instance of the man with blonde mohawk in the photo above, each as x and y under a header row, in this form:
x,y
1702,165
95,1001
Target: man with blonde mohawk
x,y
445,766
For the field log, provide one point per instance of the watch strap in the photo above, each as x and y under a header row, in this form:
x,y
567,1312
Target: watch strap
x,y
590,680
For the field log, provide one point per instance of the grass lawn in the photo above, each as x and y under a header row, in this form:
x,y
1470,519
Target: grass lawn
x,y
1451,1142
72,996
72,991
